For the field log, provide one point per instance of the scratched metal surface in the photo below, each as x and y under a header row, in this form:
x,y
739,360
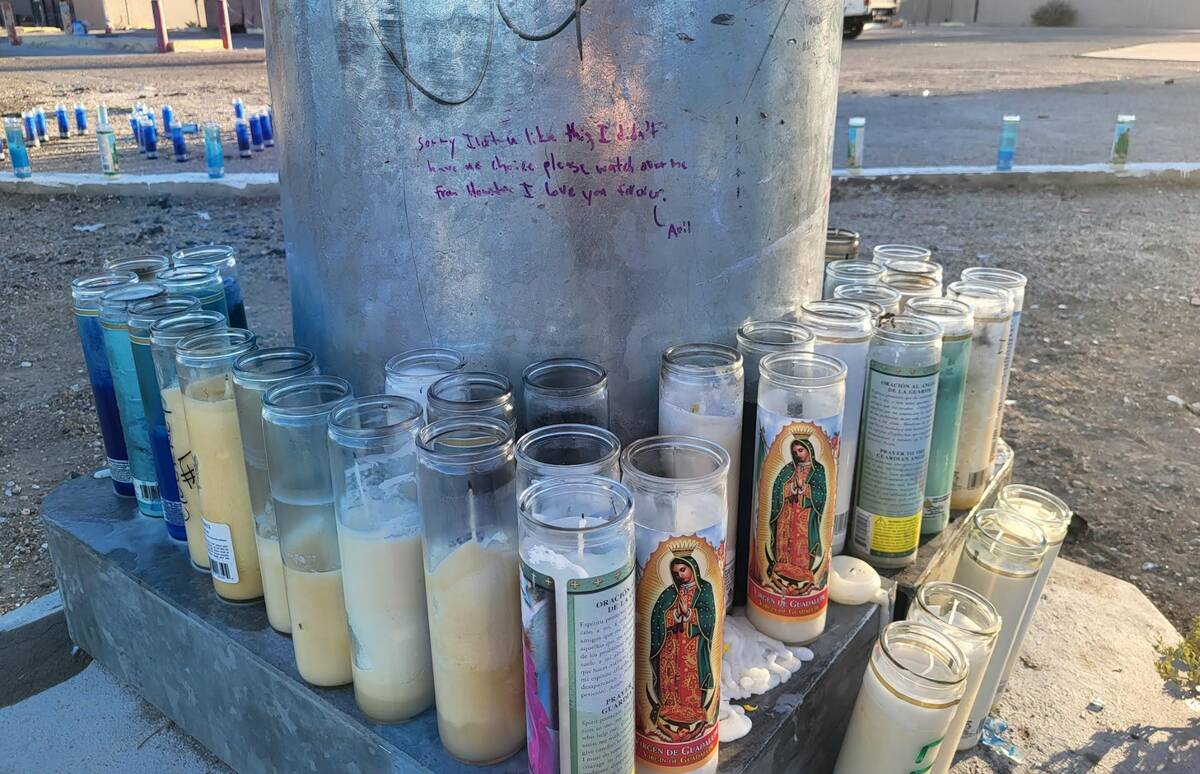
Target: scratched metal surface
x,y
707,124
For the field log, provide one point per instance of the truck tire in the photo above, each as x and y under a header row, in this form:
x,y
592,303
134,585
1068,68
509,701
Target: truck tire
x,y
852,28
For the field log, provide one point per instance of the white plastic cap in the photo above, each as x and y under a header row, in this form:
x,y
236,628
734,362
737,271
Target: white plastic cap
x,y
1012,119
858,121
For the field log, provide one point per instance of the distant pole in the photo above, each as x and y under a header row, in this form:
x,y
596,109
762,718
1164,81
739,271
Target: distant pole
x,y
10,22
160,27
223,24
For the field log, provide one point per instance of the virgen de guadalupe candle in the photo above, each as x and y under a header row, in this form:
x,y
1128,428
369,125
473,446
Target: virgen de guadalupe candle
x,y
678,485
800,398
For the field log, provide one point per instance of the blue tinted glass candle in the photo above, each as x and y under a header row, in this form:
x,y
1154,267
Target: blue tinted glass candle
x,y
241,132
63,120
202,282
114,321
224,259
81,124
135,127
256,135
855,142
214,154
16,147
86,293
179,143
39,122
1121,137
146,267
149,137
239,108
142,315
31,135
268,129
1008,143
168,117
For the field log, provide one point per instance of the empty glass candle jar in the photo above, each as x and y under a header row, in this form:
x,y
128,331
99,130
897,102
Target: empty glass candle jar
x,y
146,267
205,365
843,273
472,394
577,610
466,485
678,486
800,426
202,282
911,286
564,390
555,451
253,374
224,259
1014,282
911,268
841,244
700,393
165,335
885,254
887,298
295,427
410,374
85,296
373,461
910,693
114,321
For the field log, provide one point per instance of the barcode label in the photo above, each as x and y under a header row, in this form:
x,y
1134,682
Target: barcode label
x,y
976,479
221,558
146,491
840,522
120,471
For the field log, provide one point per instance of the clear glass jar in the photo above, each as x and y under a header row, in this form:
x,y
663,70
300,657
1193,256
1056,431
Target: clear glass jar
x,y
911,286
800,426
373,460
253,374
700,393
678,487
114,322
885,254
578,614
992,312
223,258
910,693
204,362
909,268
146,267
841,244
850,273
556,451
466,483
888,299
957,321
85,301
142,315
970,622
295,428
1054,517
1000,560
564,390
165,335
843,330
1014,282
897,427
202,282
472,394
410,374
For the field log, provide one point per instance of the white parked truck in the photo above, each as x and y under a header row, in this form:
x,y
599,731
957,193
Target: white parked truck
x,y
857,13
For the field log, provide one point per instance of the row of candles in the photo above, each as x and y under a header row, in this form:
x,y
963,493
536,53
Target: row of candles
x,y
254,131
595,605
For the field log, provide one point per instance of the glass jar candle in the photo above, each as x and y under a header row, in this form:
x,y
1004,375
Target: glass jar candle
x,y
295,428
556,451
224,259
165,335
913,685
800,400
202,282
992,312
114,321
1014,282
1000,560
410,374
971,622
886,298
700,393
205,365
577,611
843,330
253,374
885,254
897,427
1054,517
373,461
849,273
142,315
678,487
466,486
564,390
911,286
841,244
472,394
85,297
957,321
146,267
910,268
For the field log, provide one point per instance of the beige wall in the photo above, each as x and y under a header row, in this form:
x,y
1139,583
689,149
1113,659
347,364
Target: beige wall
x,y
136,14
1165,14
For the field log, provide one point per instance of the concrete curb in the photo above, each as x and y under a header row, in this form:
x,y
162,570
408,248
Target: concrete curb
x,y
124,44
1024,175
36,652
244,184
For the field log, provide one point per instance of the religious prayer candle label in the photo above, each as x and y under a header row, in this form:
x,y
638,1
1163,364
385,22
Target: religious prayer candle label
x,y
952,385
795,499
680,604
893,458
221,559
598,667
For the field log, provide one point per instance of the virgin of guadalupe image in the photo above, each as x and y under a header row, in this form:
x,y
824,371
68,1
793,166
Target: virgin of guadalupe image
x,y
682,627
795,556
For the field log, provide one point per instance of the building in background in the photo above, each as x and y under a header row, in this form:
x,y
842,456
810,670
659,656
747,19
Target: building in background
x,y
137,14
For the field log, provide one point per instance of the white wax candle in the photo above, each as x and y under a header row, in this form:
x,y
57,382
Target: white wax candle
x,y
852,581
320,634
270,565
854,355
